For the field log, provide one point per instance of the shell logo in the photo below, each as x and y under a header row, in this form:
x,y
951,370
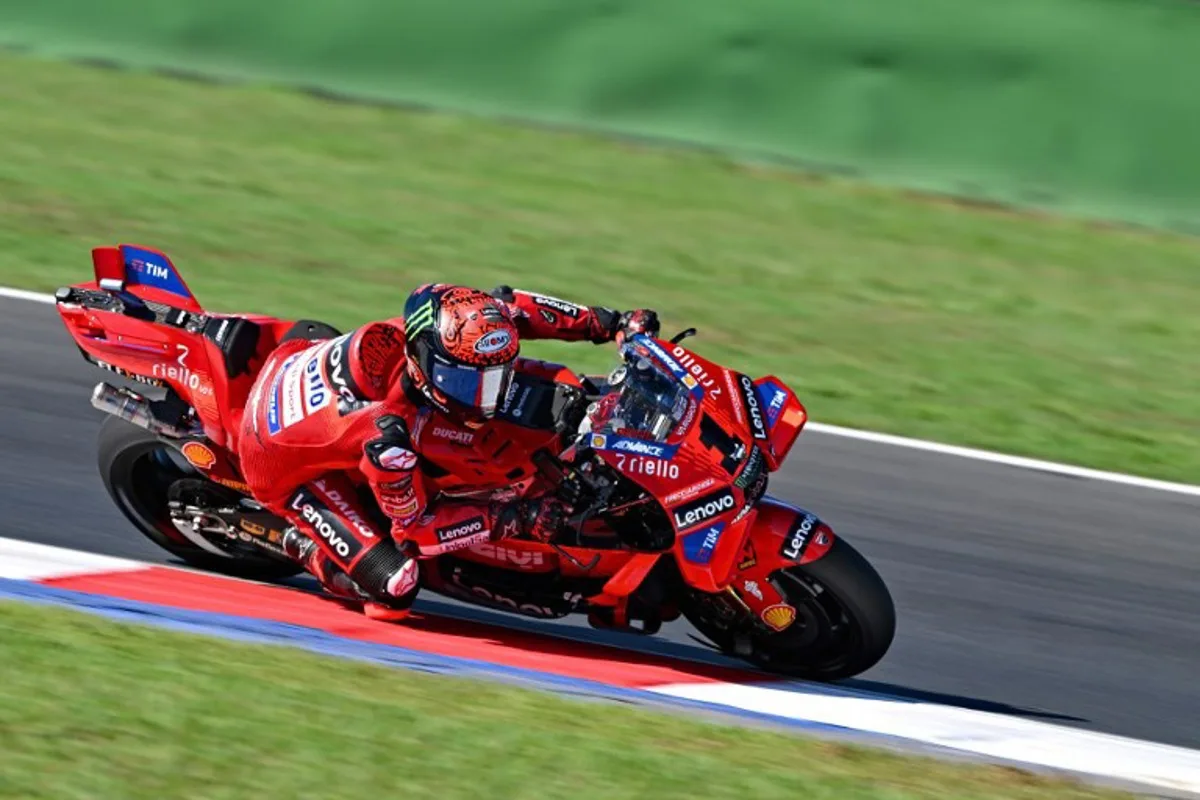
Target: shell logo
x,y
779,616
198,455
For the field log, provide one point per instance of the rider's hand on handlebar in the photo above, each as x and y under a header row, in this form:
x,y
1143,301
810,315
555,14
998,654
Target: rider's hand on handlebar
x,y
640,320
551,517
538,518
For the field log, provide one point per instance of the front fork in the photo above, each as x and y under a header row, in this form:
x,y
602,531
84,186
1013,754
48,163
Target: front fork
x,y
780,537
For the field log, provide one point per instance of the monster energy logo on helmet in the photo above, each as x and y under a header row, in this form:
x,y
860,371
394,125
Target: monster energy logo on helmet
x,y
419,319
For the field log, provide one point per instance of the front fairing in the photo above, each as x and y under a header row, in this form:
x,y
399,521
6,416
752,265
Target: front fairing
x,y
699,466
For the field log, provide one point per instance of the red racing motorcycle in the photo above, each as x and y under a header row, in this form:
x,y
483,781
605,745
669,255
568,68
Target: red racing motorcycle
x,y
665,464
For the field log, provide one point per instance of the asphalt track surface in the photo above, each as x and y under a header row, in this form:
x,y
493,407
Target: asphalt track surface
x,y
1062,599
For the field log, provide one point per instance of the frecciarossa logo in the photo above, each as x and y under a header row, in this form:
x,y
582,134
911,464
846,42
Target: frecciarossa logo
x,y
703,509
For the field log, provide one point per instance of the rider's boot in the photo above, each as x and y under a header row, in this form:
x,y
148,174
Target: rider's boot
x,y
304,551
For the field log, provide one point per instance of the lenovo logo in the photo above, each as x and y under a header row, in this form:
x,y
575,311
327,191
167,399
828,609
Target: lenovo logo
x,y
704,509
460,531
753,410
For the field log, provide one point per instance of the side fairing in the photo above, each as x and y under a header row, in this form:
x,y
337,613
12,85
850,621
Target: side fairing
x,y
697,472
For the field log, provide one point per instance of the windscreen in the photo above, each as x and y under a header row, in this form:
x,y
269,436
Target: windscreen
x,y
646,400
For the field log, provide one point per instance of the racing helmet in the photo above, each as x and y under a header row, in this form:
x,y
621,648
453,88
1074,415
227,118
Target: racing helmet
x,y
461,345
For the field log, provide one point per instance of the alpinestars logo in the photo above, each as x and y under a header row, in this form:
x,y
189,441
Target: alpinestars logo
x,y
704,509
397,459
753,410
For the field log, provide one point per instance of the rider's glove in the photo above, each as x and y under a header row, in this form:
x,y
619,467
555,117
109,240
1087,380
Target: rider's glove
x,y
539,519
641,320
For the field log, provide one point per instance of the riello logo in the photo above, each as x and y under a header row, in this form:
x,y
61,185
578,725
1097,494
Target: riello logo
x,y
691,365
181,374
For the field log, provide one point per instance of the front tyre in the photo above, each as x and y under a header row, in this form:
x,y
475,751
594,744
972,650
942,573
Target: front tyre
x,y
139,470
845,620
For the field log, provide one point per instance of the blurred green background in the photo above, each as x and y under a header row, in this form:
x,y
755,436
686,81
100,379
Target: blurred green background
x,y
1028,334
1079,105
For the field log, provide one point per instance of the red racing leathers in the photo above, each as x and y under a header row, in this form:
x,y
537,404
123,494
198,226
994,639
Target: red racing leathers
x,y
321,410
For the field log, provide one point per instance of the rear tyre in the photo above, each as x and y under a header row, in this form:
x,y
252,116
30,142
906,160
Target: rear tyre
x,y
845,620
138,470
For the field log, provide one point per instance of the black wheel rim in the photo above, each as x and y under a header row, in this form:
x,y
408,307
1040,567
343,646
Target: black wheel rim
x,y
822,639
152,472
824,635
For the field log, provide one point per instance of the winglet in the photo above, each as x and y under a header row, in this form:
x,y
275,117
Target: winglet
x,y
152,269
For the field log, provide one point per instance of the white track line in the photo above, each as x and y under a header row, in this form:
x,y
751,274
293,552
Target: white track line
x,y
981,733
28,561
22,294
1019,462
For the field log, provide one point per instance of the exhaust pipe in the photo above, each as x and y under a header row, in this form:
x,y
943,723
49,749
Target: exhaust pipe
x,y
132,407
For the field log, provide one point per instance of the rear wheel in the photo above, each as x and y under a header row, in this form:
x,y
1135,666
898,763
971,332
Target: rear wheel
x,y
140,472
845,620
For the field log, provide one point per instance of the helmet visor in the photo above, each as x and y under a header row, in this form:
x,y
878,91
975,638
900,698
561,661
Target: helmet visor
x,y
480,388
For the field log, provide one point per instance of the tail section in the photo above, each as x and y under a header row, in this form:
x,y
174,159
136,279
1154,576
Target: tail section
x,y
145,273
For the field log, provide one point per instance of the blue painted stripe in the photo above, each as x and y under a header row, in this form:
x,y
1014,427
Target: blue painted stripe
x,y
318,641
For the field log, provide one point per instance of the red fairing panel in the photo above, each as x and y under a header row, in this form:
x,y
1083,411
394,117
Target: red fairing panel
x,y
784,414
784,535
697,472
781,536
163,355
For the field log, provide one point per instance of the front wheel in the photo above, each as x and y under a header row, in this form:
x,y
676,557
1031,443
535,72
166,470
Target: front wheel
x,y
139,472
845,620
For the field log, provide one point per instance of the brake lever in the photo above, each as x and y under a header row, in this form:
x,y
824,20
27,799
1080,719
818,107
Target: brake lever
x,y
679,337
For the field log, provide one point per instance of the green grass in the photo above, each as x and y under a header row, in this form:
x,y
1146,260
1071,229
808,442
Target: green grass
x,y
90,708
1031,335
